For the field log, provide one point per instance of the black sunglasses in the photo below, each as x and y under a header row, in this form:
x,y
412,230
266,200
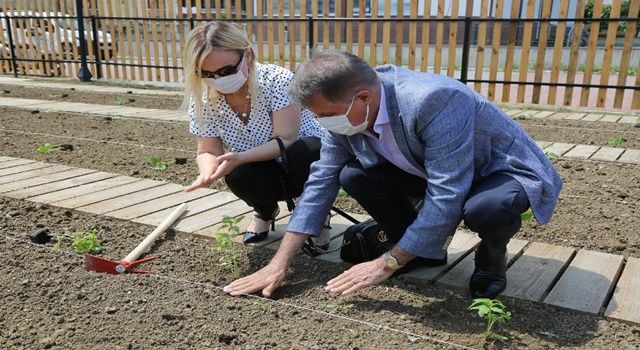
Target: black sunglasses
x,y
222,72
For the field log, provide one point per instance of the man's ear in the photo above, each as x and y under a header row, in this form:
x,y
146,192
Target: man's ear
x,y
365,95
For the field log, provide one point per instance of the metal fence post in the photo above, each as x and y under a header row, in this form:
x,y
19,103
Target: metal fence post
x,y
311,38
96,47
466,48
14,64
84,74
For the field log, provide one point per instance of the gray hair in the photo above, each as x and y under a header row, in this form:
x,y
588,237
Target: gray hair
x,y
335,75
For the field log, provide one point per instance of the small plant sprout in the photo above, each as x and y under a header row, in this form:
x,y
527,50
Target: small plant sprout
x,y
157,163
226,245
552,156
527,215
495,312
120,100
342,193
45,149
86,242
617,140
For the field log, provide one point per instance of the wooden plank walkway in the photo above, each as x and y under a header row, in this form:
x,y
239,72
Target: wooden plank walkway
x,y
586,281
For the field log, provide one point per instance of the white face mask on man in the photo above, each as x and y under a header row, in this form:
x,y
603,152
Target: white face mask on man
x,y
340,124
230,83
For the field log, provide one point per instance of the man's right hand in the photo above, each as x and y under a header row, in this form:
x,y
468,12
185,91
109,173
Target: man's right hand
x,y
207,165
266,280
269,278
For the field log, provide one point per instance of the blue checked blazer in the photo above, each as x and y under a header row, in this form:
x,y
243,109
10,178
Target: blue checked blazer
x,y
452,134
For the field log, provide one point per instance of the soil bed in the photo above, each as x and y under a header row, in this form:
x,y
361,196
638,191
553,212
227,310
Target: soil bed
x,y
69,95
49,301
589,133
598,209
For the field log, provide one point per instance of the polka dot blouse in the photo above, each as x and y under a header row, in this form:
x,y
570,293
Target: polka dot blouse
x,y
219,120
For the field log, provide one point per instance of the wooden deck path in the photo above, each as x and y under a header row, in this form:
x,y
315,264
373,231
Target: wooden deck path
x,y
582,280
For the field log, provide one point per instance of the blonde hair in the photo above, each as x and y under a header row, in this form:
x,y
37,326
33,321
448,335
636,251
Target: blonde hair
x,y
204,39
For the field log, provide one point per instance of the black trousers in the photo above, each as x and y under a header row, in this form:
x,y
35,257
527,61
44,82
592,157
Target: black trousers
x,y
492,208
260,184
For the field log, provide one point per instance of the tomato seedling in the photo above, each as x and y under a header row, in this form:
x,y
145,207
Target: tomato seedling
x,y
552,156
495,312
45,149
527,215
157,163
120,100
86,242
226,245
617,140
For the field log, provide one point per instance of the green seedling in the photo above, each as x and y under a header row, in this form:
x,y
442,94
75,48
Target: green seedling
x,y
225,243
118,117
552,156
54,96
495,312
342,193
56,245
45,149
86,242
120,100
617,140
527,215
157,163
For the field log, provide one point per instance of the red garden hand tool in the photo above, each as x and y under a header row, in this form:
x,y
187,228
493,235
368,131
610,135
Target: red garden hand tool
x,y
100,264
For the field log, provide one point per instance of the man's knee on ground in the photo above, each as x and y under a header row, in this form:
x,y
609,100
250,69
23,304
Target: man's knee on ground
x,y
352,179
491,219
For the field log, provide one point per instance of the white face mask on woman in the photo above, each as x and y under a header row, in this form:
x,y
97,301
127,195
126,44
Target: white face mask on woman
x,y
230,83
340,124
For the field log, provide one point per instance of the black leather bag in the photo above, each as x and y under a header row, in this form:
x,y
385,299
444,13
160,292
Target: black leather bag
x,y
364,241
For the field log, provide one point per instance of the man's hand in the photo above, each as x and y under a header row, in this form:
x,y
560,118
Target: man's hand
x,y
266,280
359,277
271,276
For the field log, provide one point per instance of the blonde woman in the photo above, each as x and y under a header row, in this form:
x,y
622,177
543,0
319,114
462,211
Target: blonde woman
x,y
240,111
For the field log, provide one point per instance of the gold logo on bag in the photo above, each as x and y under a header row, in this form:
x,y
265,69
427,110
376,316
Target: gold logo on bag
x,y
382,237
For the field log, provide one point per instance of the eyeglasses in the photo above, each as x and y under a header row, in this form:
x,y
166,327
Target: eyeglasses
x,y
222,72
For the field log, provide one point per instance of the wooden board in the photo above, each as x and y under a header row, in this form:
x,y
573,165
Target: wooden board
x,y
559,148
6,159
509,60
581,151
630,156
607,154
170,201
495,49
107,194
535,272
594,31
386,32
131,199
541,50
31,173
543,114
195,207
426,27
574,51
59,185
459,275
625,304
437,60
592,117
40,180
12,163
575,116
212,216
453,37
462,244
587,282
83,189
611,118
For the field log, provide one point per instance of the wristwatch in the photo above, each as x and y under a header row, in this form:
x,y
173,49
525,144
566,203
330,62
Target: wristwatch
x,y
390,261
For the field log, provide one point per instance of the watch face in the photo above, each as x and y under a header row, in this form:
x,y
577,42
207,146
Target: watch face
x,y
391,262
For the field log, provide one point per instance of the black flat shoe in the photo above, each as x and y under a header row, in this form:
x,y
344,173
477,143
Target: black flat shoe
x,y
254,237
489,278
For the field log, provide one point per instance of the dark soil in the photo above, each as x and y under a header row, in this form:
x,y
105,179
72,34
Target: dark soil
x,y
579,132
48,301
69,95
599,207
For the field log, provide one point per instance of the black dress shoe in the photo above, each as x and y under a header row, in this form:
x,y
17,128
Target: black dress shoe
x,y
489,278
253,237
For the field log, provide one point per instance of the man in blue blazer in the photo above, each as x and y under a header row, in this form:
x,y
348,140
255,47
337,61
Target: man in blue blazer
x,y
397,135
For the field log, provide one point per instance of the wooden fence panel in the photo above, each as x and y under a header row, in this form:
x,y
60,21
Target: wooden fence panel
x,y
337,33
292,36
495,50
281,38
591,53
543,37
303,30
437,60
626,54
350,26
270,39
399,26
386,32
373,41
608,52
508,67
361,29
574,52
424,41
325,25
453,39
481,46
413,14
558,47
259,36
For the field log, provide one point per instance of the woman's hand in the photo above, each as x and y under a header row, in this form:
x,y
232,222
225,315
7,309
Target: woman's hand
x,y
207,165
228,162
